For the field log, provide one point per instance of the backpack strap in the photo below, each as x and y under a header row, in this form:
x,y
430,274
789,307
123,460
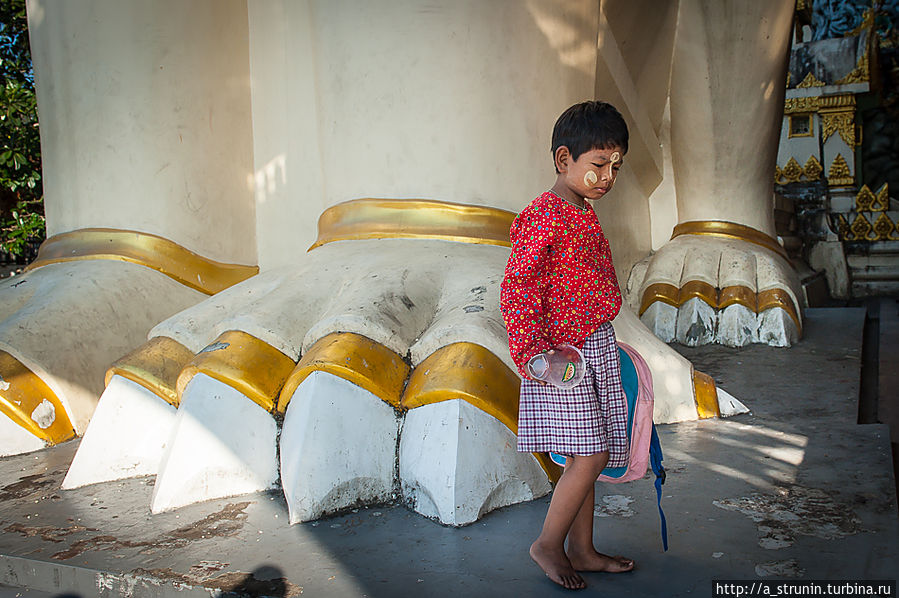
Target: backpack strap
x,y
655,460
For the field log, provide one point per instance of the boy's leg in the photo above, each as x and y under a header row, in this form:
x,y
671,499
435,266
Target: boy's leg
x,y
548,550
581,551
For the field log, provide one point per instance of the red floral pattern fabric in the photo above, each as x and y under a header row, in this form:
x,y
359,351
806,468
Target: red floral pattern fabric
x,y
559,282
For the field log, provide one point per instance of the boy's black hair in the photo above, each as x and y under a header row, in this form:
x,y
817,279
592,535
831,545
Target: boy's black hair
x,y
590,125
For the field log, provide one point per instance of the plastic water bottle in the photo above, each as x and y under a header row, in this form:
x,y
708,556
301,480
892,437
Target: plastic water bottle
x,y
563,367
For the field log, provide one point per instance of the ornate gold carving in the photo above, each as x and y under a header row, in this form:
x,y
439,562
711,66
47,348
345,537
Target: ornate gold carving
x,y
354,358
839,175
842,122
801,105
862,229
882,200
812,169
472,373
792,171
842,100
843,228
810,80
729,230
705,395
860,74
884,227
154,365
416,219
864,200
148,250
244,363
29,402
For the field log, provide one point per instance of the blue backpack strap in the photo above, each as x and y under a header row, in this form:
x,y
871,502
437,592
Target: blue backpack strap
x,y
655,460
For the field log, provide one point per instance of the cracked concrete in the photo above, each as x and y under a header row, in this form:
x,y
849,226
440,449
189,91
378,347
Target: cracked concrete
x,y
793,490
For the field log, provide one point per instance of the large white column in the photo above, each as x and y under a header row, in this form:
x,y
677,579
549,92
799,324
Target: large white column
x,y
145,120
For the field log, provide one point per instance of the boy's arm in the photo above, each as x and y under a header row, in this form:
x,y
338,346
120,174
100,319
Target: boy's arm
x,y
521,300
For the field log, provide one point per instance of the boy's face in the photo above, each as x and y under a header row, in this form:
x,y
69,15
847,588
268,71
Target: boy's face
x,y
592,175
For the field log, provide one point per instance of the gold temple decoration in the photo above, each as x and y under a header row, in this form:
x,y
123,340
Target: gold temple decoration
x,y
414,219
706,395
145,249
729,230
801,105
355,358
154,365
810,80
867,201
860,74
28,401
839,121
792,172
812,169
839,174
243,362
472,373
868,207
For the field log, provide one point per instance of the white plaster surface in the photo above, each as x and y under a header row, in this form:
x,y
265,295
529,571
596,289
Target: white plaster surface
x,y
661,319
737,326
126,436
458,463
729,405
696,323
15,440
829,256
338,448
776,328
222,444
72,320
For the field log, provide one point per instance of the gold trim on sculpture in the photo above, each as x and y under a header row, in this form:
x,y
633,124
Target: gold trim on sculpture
x,y
154,365
472,373
779,298
698,289
414,219
812,169
865,200
729,230
738,295
28,401
705,395
800,105
884,227
243,362
355,358
659,291
791,171
145,249
842,100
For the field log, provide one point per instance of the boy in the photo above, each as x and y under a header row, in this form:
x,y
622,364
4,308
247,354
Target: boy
x,y
560,287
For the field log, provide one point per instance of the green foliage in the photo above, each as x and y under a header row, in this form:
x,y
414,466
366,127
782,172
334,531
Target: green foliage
x,y
21,191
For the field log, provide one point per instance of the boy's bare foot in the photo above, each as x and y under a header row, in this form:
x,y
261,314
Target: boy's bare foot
x,y
557,567
596,561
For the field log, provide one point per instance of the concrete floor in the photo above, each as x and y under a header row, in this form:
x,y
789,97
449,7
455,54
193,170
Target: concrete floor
x,y
796,489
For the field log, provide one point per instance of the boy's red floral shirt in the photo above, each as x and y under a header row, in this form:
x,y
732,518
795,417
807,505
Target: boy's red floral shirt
x,y
559,283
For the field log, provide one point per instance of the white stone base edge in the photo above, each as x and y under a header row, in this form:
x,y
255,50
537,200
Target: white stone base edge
x,y
338,448
458,463
126,437
222,444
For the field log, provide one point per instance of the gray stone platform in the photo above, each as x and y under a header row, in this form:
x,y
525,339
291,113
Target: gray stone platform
x,y
796,489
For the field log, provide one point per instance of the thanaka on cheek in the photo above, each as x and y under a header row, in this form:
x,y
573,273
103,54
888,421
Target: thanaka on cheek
x,y
590,178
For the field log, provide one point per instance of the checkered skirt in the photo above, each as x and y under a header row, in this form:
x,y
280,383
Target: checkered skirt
x,y
587,419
